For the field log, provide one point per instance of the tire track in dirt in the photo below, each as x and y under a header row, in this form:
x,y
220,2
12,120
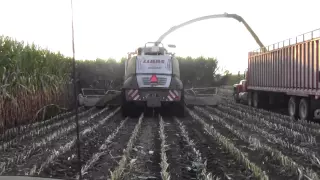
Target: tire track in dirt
x,y
146,152
284,120
11,133
270,160
43,154
306,157
294,136
179,153
15,157
66,165
107,162
103,149
41,131
219,161
275,114
228,144
118,173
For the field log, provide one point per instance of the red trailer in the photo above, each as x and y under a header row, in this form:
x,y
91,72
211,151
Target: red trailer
x,y
284,74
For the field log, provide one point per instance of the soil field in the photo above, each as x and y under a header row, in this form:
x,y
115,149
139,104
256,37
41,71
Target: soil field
x,y
227,142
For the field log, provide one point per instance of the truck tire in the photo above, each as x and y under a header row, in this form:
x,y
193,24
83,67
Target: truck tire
x,y
249,99
256,101
304,109
293,107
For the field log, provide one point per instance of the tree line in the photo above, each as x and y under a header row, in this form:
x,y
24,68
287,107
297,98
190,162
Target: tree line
x,y
108,74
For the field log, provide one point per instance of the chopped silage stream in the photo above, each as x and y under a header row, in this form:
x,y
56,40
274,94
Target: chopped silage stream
x,y
230,141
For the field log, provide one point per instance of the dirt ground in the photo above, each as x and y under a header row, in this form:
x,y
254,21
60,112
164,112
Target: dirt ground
x,y
231,141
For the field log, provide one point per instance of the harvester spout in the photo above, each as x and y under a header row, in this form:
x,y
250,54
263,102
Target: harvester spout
x,y
225,15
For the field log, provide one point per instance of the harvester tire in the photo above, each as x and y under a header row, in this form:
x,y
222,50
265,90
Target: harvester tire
x,y
127,109
180,107
180,110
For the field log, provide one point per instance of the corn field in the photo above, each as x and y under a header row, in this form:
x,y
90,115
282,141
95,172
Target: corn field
x,y
229,141
32,81
36,83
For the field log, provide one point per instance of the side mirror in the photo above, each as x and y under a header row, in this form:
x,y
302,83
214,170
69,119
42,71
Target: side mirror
x,y
171,45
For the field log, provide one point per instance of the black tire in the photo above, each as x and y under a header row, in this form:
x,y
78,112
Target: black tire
x,y
180,107
131,110
127,108
293,107
249,99
180,110
304,109
256,100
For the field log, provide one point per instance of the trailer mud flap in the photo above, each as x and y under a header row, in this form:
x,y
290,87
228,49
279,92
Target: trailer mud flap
x,y
153,102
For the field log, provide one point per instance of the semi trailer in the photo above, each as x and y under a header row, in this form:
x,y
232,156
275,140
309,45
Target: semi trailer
x,y
285,74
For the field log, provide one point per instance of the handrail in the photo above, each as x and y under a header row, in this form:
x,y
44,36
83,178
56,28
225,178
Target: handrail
x,y
290,41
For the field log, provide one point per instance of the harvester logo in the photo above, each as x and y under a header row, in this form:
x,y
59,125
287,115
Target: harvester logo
x,y
154,61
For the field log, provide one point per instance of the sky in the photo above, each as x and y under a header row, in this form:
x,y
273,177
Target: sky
x,y
111,29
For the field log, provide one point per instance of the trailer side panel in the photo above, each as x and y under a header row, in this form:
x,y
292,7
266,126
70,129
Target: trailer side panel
x,y
292,69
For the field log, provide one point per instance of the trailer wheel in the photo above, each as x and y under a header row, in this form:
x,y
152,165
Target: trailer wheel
x,y
292,106
249,99
256,102
304,109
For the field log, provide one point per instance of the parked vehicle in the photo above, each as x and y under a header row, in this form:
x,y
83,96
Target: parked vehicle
x,y
284,74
